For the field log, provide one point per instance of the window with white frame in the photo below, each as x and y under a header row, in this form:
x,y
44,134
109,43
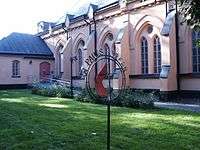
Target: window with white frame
x,y
80,49
15,69
59,60
108,51
144,55
80,60
157,55
196,51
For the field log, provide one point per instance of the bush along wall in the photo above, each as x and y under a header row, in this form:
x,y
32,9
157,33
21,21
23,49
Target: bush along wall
x,y
51,90
130,98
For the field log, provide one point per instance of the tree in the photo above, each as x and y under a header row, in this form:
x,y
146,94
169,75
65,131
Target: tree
x,y
190,10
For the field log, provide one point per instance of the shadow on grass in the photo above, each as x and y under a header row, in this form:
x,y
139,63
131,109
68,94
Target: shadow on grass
x,y
28,126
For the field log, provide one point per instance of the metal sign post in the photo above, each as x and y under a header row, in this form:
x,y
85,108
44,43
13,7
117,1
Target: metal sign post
x,y
95,85
108,105
108,126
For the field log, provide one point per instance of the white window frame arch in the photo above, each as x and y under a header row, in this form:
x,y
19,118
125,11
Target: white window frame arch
x,y
108,47
144,55
59,56
79,55
16,69
157,54
195,51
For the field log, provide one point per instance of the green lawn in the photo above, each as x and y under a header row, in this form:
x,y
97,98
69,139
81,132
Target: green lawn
x,y
34,122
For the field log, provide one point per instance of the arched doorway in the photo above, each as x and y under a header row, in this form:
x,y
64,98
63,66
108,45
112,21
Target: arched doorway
x,y
44,70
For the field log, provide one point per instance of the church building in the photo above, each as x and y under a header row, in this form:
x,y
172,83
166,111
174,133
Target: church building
x,y
159,51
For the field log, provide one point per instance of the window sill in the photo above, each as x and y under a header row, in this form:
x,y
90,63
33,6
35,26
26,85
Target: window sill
x,y
190,75
16,76
145,76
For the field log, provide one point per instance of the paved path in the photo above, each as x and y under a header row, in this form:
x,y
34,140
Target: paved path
x,y
188,107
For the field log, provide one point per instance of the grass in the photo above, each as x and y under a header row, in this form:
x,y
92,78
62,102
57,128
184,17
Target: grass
x,y
34,122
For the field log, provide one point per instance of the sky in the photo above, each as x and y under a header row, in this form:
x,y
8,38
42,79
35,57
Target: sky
x,y
23,15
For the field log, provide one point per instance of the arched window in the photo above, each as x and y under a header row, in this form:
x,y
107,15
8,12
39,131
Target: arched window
x,y
59,62
114,54
144,55
106,49
196,50
107,43
80,60
157,55
80,48
15,69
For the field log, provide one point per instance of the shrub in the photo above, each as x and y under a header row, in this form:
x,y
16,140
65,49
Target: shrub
x,y
138,99
130,98
83,96
51,90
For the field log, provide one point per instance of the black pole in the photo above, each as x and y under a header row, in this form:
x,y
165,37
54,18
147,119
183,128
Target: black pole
x,y
67,35
108,105
71,82
108,125
177,47
90,29
95,43
166,9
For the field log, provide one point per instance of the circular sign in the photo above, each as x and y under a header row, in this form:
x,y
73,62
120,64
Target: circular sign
x,y
105,78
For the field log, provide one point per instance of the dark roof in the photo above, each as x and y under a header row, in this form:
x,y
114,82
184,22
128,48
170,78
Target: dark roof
x,y
83,9
24,44
62,19
80,12
97,3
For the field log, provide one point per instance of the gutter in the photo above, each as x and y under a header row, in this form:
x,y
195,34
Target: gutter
x,y
177,48
28,55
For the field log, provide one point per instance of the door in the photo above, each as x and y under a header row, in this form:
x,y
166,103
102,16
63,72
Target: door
x,y
44,70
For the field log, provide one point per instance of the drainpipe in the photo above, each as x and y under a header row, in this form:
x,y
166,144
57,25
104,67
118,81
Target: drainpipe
x,y
67,35
66,31
177,47
89,24
95,42
71,82
166,9
90,29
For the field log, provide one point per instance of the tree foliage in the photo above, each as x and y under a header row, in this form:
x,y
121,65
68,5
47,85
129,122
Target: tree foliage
x,y
190,9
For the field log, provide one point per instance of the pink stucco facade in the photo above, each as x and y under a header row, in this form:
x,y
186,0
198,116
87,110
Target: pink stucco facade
x,y
29,71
